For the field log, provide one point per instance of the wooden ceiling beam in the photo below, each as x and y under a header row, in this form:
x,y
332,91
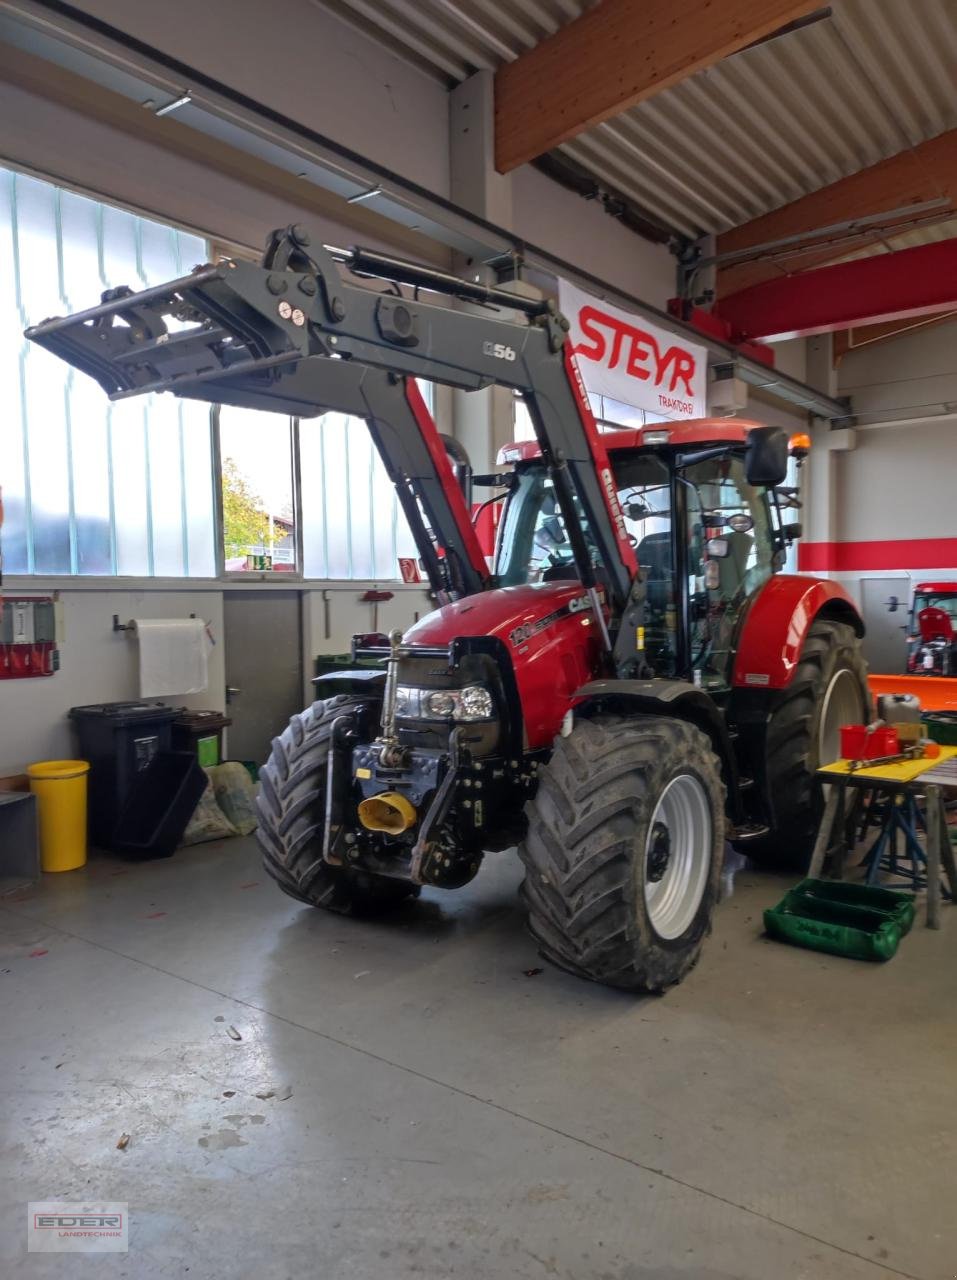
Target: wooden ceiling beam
x,y
615,55
924,173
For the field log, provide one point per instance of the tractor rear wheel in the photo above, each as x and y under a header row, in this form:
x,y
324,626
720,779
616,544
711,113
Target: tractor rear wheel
x,y
828,689
292,810
624,849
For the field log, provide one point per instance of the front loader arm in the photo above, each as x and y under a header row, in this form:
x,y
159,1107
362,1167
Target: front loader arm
x,y
275,333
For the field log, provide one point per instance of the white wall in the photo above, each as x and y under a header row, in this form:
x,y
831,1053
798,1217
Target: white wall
x,y
908,377
896,484
548,215
303,62
96,665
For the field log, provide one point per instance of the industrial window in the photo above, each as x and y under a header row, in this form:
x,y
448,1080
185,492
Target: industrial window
x,y
90,487
127,489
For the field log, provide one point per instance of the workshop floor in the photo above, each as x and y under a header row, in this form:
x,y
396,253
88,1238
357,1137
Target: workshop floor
x,y
454,1111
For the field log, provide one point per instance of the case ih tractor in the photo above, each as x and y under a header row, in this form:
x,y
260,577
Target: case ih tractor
x,y
631,684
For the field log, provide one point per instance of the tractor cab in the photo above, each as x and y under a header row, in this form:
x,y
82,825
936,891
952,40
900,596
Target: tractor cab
x,y
705,537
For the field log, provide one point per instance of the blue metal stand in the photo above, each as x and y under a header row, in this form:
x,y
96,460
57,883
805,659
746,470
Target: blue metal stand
x,y
902,817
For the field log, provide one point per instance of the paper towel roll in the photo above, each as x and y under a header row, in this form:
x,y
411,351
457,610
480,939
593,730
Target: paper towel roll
x,y
172,655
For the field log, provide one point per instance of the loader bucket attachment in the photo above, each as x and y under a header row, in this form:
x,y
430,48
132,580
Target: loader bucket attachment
x,y
204,327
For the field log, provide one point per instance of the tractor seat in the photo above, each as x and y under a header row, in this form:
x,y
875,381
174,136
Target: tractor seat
x,y
654,556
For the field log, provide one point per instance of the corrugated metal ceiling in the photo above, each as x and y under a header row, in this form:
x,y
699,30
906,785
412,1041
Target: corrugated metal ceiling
x,y
757,131
453,38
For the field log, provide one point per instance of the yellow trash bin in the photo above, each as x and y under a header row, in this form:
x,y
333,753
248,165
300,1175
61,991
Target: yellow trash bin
x,y
60,789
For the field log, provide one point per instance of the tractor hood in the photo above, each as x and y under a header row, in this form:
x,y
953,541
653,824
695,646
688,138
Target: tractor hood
x,y
547,630
513,614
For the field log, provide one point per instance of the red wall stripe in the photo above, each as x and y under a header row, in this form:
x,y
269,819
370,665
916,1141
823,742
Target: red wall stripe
x,y
898,553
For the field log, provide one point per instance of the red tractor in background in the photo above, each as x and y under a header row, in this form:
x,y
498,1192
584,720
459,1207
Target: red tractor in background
x,y
932,630
632,682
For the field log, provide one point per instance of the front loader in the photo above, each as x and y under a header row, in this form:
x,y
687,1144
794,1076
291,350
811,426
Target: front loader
x,y
633,682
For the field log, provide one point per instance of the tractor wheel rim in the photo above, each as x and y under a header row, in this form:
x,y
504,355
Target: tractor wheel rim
x,y
842,704
677,856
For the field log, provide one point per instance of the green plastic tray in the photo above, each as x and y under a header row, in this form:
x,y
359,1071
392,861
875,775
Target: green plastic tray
x,y
899,906
824,916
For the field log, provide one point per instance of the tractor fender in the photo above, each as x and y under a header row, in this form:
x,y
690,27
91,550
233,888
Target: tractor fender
x,y
776,625
675,698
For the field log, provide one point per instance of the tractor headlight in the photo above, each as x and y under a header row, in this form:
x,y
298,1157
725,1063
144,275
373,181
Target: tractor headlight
x,y
474,702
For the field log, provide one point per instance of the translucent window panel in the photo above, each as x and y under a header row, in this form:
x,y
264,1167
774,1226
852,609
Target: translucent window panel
x,y
127,428
352,524
258,508
49,449
80,234
120,248
92,495
17,543
165,456
325,490
198,501
91,488
313,515
364,514
385,519
36,246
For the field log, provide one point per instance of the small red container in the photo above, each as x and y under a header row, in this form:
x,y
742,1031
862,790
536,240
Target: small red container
x,y
860,743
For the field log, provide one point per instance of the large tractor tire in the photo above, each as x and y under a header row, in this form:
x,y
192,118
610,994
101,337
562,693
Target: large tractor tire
x,y
828,689
624,849
292,806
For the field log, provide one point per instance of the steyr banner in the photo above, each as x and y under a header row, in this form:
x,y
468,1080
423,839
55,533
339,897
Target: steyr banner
x,y
628,359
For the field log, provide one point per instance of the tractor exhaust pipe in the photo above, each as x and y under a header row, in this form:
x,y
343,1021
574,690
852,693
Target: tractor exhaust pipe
x,y
387,812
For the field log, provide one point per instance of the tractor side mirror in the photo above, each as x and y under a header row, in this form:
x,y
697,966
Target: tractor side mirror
x,y
792,531
766,458
717,548
637,510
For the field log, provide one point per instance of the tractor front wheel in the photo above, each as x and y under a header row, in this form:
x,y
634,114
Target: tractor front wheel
x,y
828,689
624,849
292,811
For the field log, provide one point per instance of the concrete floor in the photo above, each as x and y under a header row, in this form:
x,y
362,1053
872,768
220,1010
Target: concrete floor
x,y
780,1114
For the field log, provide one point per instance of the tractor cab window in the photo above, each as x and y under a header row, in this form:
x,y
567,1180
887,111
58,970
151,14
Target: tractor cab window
x,y
730,555
534,545
644,492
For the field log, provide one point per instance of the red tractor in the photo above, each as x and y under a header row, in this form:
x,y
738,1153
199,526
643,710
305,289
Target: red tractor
x,y
632,683
932,630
